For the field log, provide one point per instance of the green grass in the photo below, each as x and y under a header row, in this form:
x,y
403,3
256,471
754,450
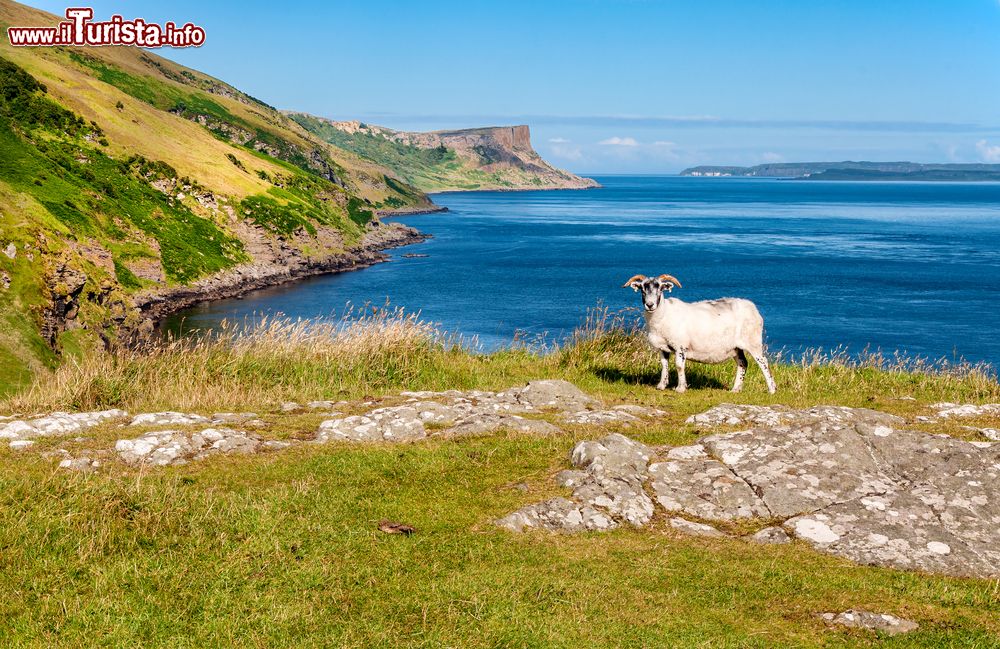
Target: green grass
x,y
280,549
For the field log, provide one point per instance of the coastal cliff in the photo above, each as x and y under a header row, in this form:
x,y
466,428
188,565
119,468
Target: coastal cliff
x,y
476,159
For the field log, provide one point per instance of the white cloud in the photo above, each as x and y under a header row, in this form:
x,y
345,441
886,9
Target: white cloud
x,y
619,141
564,149
665,144
771,156
988,152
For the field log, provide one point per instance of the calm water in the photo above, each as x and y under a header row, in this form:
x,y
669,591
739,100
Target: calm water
x,y
896,266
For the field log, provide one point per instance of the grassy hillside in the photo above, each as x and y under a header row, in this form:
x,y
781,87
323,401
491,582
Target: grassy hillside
x,y
123,173
280,549
466,160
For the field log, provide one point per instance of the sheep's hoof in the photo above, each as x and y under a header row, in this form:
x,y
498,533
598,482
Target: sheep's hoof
x,y
681,388
661,386
737,388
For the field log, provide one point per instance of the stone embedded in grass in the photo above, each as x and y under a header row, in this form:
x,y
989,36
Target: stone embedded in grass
x,y
21,444
946,410
771,536
165,447
624,414
882,622
694,529
458,413
554,394
168,418
57,423
607,490
233,417
84,464
847,481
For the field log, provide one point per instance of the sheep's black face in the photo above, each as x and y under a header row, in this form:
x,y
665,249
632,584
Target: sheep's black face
x,y
652,289
652,293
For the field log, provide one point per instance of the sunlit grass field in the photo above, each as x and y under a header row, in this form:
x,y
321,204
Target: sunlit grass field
x,y
281,549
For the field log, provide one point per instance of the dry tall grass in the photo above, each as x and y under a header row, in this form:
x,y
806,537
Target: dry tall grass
x,y
373,351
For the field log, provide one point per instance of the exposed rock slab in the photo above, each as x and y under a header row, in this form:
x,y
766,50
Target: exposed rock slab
x,y
57,423
704,488
850,482
171,447
168,418
882,622
607,490
455,413
946,410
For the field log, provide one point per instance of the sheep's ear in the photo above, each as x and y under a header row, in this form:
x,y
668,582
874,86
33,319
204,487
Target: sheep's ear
x,y
635,283
668,282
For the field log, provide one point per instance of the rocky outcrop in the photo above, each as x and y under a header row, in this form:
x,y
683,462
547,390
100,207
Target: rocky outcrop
x,y
850,482
455,413
276,263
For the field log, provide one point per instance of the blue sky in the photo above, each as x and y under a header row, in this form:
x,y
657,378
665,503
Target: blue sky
x,y
626,86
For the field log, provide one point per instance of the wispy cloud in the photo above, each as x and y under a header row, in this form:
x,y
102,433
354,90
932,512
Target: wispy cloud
x,y
988,152
558,140
619,141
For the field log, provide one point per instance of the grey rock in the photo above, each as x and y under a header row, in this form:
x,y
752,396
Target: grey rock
x,y
289,406
10,250
557,514
57,423
83,464
232,417
600,417
570,478
554,394
882,622
614,455
166,447
607,490
704,488
727,414
457,414
819,459
850,482
771,536
946,410
21,444
694,529
168,418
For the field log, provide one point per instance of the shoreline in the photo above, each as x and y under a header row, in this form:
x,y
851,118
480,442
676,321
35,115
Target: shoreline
x,y
239,281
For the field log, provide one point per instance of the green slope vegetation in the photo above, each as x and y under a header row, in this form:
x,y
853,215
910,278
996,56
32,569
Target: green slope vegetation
x,y
124,174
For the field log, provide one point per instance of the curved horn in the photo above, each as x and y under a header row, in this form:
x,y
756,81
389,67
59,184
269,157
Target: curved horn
x,y
670,278
634,278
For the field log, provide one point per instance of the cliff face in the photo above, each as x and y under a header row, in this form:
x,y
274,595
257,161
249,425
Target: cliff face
x,y
491,158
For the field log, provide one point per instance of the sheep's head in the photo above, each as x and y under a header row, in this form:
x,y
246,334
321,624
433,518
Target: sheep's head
x,y
652,288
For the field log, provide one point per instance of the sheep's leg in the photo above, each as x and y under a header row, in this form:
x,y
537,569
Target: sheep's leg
x,y
761,361
741,370
682,384
664,370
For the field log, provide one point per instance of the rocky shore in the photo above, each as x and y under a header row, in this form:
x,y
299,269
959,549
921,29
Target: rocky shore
x,y
276,264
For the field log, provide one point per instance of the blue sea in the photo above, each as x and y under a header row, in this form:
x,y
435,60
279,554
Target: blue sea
x,y
910,267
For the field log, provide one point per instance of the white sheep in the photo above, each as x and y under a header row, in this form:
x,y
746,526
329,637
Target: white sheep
x,y
711,331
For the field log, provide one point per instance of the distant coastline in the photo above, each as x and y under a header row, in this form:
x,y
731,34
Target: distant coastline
x,y
856,171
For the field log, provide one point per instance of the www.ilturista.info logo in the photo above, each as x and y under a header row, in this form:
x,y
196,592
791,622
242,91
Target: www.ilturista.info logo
x,y
80,31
